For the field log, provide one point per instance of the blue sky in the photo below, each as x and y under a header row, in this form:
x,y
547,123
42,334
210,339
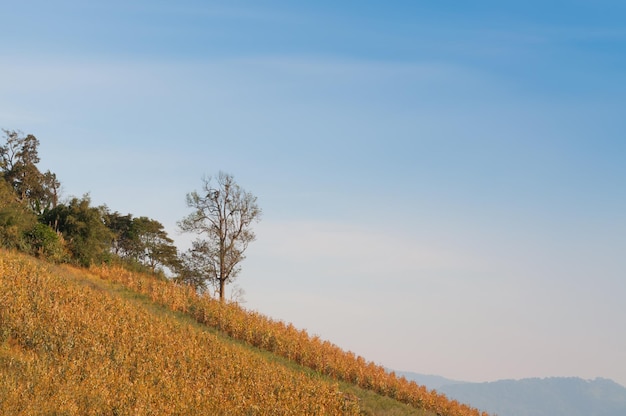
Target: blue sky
x,y
443,183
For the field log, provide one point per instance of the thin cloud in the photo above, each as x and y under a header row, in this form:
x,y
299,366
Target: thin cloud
x,y
359,250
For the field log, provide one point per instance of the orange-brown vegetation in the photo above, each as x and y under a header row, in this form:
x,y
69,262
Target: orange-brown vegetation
x,y
287,341
70,348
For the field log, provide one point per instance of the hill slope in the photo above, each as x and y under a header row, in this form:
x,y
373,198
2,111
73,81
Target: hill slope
x,y
554,396
102,342
70,347
431,381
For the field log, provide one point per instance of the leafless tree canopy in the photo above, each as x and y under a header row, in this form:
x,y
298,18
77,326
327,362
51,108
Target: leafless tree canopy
x,y
222,215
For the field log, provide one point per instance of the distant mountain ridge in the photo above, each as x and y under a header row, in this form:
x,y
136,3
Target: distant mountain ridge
x,y
429,380
555,396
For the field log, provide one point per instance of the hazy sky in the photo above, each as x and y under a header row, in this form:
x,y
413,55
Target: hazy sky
x,y
443,183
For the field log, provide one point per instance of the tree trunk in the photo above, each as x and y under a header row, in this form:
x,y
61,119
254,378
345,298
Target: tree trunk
x,y
222,285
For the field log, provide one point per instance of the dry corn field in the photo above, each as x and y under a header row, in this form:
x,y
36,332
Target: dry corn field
x,y
287,341
69,346
72,344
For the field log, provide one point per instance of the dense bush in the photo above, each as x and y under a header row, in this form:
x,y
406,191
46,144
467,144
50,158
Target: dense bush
x,y
15,219
44,242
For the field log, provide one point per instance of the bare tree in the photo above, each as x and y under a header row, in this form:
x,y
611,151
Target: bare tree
x,y
223,216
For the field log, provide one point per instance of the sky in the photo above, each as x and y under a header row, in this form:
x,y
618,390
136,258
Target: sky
x,y
443,184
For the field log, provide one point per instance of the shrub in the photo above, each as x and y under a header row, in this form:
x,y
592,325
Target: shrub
x,y
44,242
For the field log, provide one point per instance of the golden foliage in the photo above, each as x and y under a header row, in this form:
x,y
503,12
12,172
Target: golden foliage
x,y
68,348
287,341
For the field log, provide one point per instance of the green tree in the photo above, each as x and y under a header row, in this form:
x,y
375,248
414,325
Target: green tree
x,y
141,240
87,237
154,249
19,157
124,243
44,242
223,215
15,219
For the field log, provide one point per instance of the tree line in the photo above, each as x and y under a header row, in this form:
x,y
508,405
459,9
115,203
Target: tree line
x,y
33,219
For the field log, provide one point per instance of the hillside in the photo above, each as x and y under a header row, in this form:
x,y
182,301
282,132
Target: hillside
x,y
431,381
107,341
554,396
